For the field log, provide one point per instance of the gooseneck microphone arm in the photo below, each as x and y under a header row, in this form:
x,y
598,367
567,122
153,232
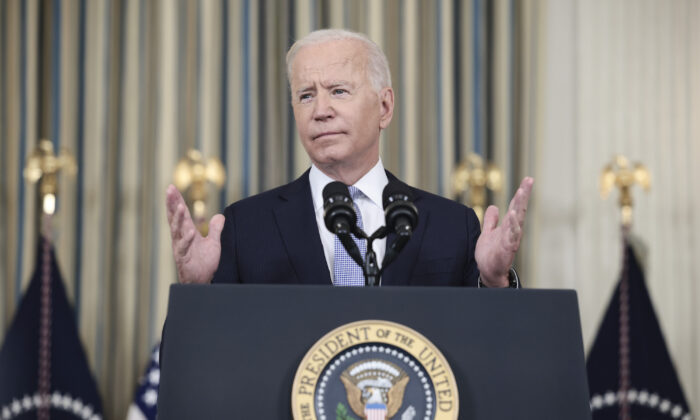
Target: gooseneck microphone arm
x,y
350,246
341,219
371,268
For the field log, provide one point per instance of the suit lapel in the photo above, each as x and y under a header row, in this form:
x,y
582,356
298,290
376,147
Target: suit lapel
x,y
296,221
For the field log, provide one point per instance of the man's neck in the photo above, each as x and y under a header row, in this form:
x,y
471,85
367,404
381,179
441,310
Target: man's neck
x,y
348,174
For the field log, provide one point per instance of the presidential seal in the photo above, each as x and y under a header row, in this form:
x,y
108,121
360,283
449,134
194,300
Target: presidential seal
x,y
374,370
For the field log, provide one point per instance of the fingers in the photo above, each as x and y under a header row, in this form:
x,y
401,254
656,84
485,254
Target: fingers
x,y
172,199
182,245
522,195
526,185
177,222
490,219
182,229
512,231
177,211
520,200
216,225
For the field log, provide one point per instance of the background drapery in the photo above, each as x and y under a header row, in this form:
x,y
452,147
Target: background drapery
x,y
551,89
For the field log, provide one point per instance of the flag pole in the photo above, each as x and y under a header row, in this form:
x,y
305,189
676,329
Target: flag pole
x,y
43,167
621,174
625,371
45,320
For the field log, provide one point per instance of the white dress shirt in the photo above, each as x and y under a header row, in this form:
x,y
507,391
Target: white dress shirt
x,y
370,204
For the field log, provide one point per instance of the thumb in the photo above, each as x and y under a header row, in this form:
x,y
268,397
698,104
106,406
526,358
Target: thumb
x,y
216,225
490,219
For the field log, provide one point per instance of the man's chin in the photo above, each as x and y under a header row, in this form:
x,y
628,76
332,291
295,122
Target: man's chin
x,y
329,161
328,153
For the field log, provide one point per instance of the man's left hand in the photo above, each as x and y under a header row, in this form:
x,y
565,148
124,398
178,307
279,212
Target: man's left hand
x,y
497,245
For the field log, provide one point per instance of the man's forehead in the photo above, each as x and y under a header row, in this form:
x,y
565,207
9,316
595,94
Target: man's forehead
x,y
328,59
350,48
333,64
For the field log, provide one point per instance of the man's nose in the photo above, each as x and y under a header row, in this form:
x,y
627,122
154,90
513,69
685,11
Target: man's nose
x,y
323,108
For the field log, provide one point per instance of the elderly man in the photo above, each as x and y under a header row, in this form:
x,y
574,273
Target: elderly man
x,y
342,100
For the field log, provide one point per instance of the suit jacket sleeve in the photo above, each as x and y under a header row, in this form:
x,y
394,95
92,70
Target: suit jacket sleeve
x,y
471,270
227,272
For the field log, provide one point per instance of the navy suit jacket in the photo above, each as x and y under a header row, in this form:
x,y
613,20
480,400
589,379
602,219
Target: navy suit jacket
x,y
273,238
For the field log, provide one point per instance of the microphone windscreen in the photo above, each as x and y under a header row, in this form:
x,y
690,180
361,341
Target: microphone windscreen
x,y
335,188
337,207
395,189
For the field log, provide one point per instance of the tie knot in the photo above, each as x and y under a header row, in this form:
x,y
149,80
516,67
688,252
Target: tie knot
x,y
355,192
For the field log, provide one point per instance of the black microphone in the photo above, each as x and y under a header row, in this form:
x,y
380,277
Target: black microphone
x,y
338,212
400,212
401,217
340,217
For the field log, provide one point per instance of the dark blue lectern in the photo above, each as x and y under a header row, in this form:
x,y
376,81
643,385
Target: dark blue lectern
x,y
231,351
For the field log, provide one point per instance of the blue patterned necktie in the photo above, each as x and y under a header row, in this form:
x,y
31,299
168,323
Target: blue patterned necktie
x,y
346,272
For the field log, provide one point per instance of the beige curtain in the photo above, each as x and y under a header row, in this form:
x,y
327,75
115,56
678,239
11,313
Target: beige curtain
x,y
620,77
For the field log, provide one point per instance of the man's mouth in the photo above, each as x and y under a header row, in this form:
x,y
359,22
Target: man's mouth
x,y
325,134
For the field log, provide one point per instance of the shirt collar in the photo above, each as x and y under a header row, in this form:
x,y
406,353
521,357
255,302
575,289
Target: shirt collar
x,y
371,184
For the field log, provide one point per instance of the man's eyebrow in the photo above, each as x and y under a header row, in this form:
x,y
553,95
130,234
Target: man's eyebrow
x,y
336,83
304,89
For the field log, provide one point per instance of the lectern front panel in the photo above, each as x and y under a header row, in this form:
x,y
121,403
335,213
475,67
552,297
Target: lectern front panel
x,y
231,351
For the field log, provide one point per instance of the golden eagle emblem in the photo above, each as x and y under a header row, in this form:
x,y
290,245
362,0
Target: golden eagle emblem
x,y
374,381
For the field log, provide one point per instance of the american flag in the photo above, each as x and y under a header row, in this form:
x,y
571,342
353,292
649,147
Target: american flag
x,y
375,411
145,404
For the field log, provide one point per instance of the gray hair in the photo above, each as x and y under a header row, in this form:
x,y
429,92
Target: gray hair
x,y
377,63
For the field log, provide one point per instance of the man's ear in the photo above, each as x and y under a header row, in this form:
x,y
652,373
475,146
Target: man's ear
x,y
386,107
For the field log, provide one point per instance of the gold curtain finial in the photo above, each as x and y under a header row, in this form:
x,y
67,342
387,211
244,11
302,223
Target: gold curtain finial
x,y
43,167
622,174
192,174
472,178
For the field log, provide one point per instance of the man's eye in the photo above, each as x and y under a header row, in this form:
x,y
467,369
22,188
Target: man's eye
x,y
339,91
304,97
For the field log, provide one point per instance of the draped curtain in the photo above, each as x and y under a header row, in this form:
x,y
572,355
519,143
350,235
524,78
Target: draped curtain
x,y
620,77
535,86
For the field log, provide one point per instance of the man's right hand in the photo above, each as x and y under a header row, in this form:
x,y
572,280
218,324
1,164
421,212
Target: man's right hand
x,y
196,257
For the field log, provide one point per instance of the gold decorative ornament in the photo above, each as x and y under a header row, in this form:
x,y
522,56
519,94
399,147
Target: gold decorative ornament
x,y
472,178
43,167
621,174
191,175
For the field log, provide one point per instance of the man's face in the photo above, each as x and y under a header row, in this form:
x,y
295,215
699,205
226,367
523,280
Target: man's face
x,y
338,113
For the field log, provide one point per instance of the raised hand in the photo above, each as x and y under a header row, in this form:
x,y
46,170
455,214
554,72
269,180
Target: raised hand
x,y
497,245
196,257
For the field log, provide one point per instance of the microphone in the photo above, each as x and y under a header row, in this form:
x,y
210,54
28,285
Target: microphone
x,y
338,212
400,212
340,217
401,217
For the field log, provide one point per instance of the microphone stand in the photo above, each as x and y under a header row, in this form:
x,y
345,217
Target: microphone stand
x,y
370,268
